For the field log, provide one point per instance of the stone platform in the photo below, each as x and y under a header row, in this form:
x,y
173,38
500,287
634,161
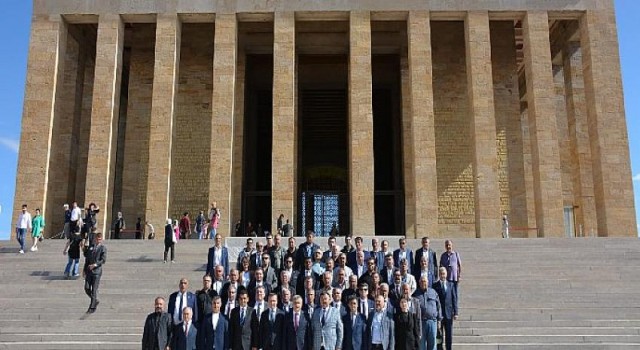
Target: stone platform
x,y
516,294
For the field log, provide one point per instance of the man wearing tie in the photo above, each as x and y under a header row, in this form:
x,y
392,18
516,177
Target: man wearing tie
x,y
355,325
240,323
429,253
297,328
231,302
337,301
218,280
257,282
306,249
365,305
380,328
285,304
449,303
181,299
271,326
327,326
184,333
386,274
158,328
216,329
258,309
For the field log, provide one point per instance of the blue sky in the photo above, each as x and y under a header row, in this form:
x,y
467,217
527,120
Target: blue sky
x,y
15,22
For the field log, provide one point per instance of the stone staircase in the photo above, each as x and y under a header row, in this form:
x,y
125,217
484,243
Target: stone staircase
x,y
516,294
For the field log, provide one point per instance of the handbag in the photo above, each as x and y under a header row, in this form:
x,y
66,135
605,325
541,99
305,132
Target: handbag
x,y
439,341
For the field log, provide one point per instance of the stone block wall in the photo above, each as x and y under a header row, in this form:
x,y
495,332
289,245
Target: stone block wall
x,y
192,129
456,216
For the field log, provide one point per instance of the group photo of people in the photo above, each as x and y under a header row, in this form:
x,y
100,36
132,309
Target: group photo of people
x,y
301,296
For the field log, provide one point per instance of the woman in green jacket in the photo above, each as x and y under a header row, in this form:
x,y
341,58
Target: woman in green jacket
x,y
37,224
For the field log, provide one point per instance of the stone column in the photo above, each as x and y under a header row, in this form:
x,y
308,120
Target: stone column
x,y
224,80
45,76
283,160
542,125
585,210
104,118
165,81
361,173
607,126
238,138
423,138
483,125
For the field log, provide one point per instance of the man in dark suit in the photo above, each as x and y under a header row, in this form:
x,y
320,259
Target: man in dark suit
x,y
386,274
365,305
257,281
181,299
304,273
355,327
285,283
306,249
352,257
240,323
380,328
234,275
271,325
329,254
336,302
204,297
184,333
352,290
95,256
270,274
403,253
256,316
158,328
297,328
216,329
218,255
430,253
310,304
449,304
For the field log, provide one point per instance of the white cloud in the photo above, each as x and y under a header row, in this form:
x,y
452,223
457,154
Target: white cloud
x,y
14,145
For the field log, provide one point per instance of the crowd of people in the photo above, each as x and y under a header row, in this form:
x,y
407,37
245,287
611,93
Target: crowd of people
x,y
300,297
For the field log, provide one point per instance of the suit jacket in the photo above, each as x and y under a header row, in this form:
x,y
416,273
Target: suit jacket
x,y
255,324
158,331
370,307
448,299
302,252
224,293
433,263
271,277
354,332
409,257
385,277
180,341
252,290
300,282
379,255
271,331
342,309
300,339
388,331
215,338
191,302
203,299
224,260
352,259
277,257
407,331
331,330
282,306
95,254
240,334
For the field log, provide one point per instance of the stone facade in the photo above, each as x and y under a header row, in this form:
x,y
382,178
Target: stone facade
x,y
506,107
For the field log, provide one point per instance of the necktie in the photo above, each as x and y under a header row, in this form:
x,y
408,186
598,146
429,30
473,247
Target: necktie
x,y
296,321
272,316
353,320
324,314
181,306
186,330
242,316
259,313
445,286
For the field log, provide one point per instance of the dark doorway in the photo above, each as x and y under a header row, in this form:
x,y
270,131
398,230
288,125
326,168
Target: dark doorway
x,y
258,131
322,146
387,145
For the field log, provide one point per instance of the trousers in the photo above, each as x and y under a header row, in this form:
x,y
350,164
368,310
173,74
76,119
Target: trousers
x,y
91,285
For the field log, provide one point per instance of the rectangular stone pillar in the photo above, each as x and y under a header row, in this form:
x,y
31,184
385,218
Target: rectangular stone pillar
x,y
483,125
607,126
165,81
238,138
45,77
104,117
361,173
542,125
283,156
585,211
422,139
224,80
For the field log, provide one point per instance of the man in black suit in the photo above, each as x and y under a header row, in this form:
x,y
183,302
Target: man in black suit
x,y
95,256
386,274
365,305
258,281
284,284
297,328
158,328
240,323
449,304
336,301
306,249
271,325
425,250
304,273
180,299
185,333
352,290
204,297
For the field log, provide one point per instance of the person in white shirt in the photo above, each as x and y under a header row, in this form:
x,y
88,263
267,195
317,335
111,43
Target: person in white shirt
x,y
23,226
76,218
216,329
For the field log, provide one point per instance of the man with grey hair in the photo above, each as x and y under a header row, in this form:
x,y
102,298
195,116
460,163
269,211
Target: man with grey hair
x,y
185,333
430,312
297,327
158,328
327,325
